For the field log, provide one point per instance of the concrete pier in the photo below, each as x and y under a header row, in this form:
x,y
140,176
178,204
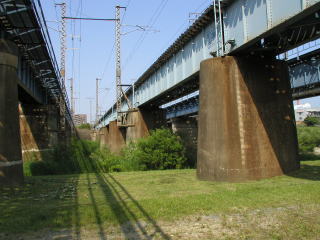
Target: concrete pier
x,y
134,125
246,121
116,137
187,129
39,130
104,136
11,171
142,122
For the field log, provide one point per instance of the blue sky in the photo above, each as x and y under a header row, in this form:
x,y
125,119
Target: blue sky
x,y
94,56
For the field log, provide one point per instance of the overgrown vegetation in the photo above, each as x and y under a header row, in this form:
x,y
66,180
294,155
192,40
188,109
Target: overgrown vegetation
x,y
84,126
308,138
74,158
161,150
311,121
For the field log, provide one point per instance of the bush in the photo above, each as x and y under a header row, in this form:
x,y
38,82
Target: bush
x,y
84,126
308,138
311,121
105,161
161,150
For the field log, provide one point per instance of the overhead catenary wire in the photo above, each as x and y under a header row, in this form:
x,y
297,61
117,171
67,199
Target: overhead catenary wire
x,y
143,35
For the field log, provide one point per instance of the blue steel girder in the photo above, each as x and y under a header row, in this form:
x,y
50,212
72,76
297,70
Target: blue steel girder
x,y
249,26
304,76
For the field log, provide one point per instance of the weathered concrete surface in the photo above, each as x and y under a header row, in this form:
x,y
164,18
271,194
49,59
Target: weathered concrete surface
x,y
117,137
84,134
93,135
134,125
143,120
39,130
187,129
246,122
10,147
104,136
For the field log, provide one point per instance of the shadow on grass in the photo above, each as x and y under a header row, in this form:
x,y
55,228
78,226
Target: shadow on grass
x,y
127,219
310,172
41,203
308,157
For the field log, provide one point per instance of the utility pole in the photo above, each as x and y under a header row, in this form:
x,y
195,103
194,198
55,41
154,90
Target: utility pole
x,y
118,34
118,59
63,47
97,98
90,102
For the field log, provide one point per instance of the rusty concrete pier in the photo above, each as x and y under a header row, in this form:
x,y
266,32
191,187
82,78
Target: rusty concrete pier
x,y
10,146
246,123
137,124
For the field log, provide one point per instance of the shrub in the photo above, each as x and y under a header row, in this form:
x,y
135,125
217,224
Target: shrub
x,y
84,126
308,138
311,121
161,150
105,161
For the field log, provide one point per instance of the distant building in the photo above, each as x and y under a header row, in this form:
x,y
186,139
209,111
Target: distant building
x,y
79,119
304,110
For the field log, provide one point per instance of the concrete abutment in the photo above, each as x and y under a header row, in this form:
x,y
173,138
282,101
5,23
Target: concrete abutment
x,y
246,121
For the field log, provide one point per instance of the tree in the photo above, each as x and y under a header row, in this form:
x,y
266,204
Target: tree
x,y
161,150
311,121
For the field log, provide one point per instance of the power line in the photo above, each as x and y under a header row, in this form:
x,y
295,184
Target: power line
x,y
79,55
143,35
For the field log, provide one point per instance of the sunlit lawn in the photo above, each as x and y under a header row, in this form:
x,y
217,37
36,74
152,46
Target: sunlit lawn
x,y
96,201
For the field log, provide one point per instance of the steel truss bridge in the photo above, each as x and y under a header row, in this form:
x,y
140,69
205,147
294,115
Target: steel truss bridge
x,y
237,27
23,22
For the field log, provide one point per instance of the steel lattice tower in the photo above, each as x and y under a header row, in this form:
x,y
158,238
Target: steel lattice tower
x,y
63,47
118,59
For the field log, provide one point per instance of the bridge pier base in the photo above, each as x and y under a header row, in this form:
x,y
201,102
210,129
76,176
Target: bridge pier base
x,y
39,130
246,122
11,171
104,136
137,124
143,120
187,129
116,137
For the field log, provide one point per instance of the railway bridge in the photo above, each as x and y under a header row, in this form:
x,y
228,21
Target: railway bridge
x,y
34,109
236,55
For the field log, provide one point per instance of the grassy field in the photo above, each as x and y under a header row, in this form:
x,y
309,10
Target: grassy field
x,y
162,205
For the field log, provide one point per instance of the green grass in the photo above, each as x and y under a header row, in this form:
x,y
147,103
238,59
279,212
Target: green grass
x,y
98,201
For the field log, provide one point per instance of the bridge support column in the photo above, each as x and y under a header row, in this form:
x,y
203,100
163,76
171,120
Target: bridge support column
x,y
104,135
143,120
246,122
116,137
187,129
39,130
11,171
